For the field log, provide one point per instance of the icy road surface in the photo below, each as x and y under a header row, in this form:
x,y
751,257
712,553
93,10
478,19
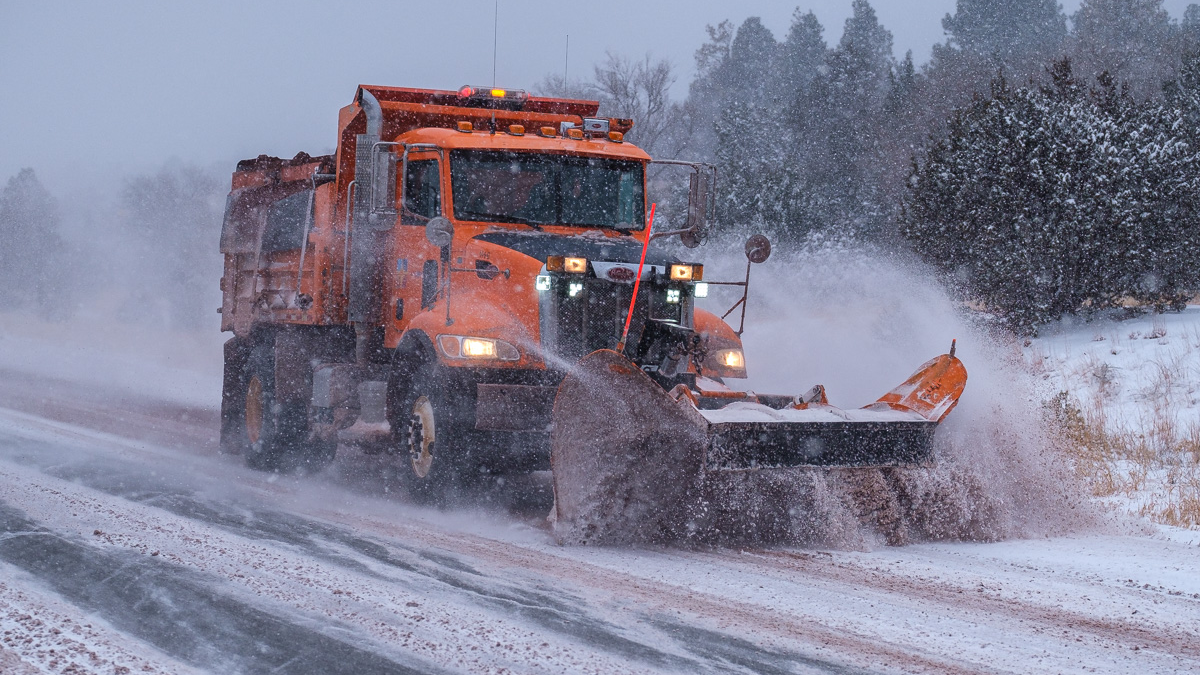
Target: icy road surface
x,y
128,545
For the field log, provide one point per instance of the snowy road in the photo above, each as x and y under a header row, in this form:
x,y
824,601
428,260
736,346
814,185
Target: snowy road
x,y
126,542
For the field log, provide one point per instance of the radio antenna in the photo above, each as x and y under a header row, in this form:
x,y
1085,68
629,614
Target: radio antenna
x,y
566,57
495,39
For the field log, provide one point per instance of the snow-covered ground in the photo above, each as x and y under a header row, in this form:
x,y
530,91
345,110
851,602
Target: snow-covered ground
x,y
1136,382
127,544
94,351
119,553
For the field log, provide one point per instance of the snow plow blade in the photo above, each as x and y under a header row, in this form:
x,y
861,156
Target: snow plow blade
x,y
621,443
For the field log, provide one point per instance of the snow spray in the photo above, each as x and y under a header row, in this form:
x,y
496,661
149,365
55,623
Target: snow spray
x,y
859,322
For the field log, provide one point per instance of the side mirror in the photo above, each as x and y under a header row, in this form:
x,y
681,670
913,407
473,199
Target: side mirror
x,y
383,189
699,192
439,231
758,249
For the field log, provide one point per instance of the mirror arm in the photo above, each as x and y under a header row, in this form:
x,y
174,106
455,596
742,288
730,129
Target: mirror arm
x,y
669,233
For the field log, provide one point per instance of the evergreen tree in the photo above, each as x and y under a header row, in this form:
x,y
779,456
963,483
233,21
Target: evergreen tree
x,y
32,253
1132,40
1006,32
984,37
1042,202
800,57
845,171
751,59
173,217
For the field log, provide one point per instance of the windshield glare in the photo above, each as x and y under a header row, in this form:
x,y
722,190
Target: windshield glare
x,y
542,189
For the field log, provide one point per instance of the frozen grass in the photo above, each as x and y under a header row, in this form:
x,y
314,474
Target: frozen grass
x,y
1127,403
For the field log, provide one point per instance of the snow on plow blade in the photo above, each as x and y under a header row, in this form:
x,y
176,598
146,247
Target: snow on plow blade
x,y
624,450
895,430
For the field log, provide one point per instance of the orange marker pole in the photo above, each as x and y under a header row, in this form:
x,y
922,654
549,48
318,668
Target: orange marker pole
x,y
637,282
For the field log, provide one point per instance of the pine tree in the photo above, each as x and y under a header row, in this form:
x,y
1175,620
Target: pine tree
x,y
1062,199
845,125
32,252
1006,32
800,57
1135,41
174,216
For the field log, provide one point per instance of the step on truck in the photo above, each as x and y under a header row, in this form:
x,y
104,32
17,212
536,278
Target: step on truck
x,y
470,285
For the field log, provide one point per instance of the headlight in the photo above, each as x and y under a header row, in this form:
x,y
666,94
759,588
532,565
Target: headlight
x,y
673,296
700,290
574,288
477,348
543,282
730,358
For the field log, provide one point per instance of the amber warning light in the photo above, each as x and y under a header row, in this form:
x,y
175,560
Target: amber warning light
x,y
491,93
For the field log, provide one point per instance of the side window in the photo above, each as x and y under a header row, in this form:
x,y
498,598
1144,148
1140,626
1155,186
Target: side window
x,y
422,192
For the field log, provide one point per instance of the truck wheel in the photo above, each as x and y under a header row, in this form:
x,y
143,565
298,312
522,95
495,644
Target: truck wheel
x,y
427,436
233,397
276,434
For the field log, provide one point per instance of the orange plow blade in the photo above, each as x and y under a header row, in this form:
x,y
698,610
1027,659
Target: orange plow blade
x,y
626,453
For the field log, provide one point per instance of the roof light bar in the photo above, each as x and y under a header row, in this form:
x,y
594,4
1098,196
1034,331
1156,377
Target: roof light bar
x,y
489,93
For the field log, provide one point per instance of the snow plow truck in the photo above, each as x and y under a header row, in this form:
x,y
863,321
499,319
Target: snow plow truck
x,y
469,285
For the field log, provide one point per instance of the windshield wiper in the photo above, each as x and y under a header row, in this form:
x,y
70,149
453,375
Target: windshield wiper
x,y
501,218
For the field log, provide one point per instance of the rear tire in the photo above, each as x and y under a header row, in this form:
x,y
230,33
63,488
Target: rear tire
x,y
233,397
275,436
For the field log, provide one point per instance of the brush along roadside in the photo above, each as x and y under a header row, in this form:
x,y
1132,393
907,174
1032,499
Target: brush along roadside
x,y
633,462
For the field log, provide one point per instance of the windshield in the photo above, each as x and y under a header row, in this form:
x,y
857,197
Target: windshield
x,y
542,189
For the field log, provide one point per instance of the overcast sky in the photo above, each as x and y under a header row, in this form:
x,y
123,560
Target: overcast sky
x,y
119,86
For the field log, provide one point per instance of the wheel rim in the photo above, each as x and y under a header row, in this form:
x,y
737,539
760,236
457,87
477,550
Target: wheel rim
x,y
421,435
254,409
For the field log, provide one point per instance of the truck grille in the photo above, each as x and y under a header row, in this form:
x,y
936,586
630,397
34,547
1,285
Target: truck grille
x,y
575,326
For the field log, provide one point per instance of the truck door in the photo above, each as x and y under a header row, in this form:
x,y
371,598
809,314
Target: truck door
x,y
415,272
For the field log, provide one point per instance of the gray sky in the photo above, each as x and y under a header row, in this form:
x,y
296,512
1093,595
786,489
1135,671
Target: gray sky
x,y
93,89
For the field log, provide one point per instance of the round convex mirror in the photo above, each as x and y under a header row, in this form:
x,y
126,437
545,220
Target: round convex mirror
x,y
758,248
439,231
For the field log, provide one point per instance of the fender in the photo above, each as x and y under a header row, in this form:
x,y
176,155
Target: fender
x,y
717,336
481,313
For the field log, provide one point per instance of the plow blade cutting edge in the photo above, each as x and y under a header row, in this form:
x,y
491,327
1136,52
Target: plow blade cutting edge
x,y
620,443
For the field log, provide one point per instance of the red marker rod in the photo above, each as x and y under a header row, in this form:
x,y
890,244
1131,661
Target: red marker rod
x,y
637,282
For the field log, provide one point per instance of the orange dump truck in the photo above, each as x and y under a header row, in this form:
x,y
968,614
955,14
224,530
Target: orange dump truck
x,y
452,287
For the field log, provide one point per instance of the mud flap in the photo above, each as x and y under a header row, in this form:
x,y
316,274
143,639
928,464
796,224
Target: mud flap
x,y
628,460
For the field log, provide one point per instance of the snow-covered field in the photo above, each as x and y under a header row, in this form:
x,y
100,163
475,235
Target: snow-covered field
x,y
121,553
1136,384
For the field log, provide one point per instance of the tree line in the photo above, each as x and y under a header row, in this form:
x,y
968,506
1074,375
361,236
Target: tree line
x,y
150,258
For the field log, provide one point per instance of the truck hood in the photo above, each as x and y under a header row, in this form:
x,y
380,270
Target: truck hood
x,y
540,245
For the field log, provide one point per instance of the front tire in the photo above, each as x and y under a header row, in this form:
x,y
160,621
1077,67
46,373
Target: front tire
x,y
427,436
